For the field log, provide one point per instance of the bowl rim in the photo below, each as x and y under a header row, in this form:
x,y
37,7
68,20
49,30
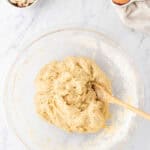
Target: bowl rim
x,y
24,48
124,5
29,6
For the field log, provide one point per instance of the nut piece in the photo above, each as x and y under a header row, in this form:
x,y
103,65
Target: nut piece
x,y
22,3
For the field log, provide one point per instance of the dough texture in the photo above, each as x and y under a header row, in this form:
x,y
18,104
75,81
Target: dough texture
x,y
66,98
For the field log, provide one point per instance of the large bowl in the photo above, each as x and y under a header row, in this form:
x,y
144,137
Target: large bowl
x,y
19,93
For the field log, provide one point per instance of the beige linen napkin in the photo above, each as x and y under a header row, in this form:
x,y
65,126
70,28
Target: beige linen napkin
x,y
135,14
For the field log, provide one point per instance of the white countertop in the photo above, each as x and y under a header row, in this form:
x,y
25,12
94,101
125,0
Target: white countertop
x,y
17,25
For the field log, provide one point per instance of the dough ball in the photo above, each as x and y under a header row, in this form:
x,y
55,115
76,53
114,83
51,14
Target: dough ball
x,y
66,98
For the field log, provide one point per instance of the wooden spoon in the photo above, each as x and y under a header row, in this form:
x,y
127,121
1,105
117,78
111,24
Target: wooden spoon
x,y
104,95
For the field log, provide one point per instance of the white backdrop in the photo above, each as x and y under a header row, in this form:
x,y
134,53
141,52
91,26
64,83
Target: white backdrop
x,y
18,25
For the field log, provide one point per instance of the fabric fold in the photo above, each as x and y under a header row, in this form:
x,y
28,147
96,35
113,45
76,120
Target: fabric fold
x,y
135,14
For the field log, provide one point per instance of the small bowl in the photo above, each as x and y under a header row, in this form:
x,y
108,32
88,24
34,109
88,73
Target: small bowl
x,y
32,4
123,5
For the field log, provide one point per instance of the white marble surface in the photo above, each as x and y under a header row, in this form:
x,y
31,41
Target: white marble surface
x,y
17,25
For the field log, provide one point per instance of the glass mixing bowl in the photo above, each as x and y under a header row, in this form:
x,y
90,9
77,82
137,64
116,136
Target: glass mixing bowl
x,y
19,93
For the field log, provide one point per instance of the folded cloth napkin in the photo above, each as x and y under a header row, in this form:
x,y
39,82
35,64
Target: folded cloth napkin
x,y
135,14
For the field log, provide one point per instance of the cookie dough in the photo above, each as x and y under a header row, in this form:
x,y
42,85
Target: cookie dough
x,y
66,98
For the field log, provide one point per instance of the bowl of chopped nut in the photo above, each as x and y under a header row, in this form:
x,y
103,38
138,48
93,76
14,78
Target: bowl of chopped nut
x,y
22,3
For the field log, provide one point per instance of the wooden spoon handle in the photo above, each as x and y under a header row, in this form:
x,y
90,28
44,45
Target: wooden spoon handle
x,y
103,94
131,108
